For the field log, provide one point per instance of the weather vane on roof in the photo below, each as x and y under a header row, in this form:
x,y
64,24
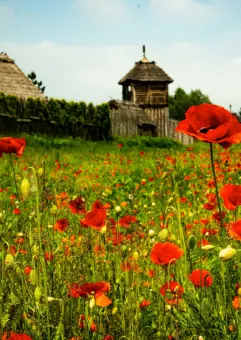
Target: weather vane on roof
x,y
144,50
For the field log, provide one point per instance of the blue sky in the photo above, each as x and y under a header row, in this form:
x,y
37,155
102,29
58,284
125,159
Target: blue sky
x,y
81,48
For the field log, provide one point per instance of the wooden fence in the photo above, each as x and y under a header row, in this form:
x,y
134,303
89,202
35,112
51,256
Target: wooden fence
x,y
10,125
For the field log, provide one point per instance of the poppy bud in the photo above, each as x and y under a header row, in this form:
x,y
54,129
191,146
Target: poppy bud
x,y
50,298
163,235
9,260
145,253
192,241
103,230
207,247
25,188
227,253
33,276
92,302
117,209
35,249
124,248
54,209
37,294
114,310
151,233
40,171
135,255
173,238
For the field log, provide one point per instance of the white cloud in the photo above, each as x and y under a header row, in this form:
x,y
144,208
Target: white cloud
x,y
103,9
6,16
187,9
91,73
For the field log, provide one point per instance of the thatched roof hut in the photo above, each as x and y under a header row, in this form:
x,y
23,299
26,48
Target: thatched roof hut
x,y
146,71
14,82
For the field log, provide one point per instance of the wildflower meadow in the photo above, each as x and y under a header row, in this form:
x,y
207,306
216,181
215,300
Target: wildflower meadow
x,y
108,241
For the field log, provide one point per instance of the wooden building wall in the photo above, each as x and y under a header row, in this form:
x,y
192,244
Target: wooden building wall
x,y
150,94
180,137
160,116
124,122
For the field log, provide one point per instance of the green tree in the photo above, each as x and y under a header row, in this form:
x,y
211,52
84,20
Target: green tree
x,y
180,102
33,77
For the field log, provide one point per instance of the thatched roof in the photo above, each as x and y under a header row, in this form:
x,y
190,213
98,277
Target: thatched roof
x,y
146,71
128,106
13,81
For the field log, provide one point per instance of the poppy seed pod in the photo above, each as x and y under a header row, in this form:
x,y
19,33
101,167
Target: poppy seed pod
x,y
25,188
227,253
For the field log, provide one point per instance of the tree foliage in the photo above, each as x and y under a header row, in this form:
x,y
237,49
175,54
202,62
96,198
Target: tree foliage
x,y
62,112
33,77
180,102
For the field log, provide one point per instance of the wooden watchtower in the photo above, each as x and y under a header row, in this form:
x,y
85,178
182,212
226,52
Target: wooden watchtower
x,y
146,85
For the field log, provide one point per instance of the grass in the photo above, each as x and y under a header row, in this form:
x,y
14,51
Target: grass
x,y
163,186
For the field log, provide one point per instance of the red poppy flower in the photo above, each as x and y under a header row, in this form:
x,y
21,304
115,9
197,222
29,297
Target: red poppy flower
x,y
77,206
209,206
108,337
96,289
16,211
201,278
17,336
234,230
12,145
145,303
27,270
172,291
48,256
236,303
211,124
165,253
231,195
216,216
202,243
94,219
97,205
82,324
61,224
209,232
126,221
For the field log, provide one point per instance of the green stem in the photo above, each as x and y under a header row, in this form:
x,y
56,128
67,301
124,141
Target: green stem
x,y
216,184
45,279
14,175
